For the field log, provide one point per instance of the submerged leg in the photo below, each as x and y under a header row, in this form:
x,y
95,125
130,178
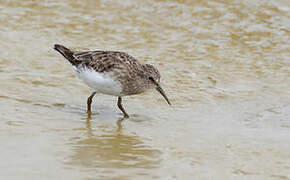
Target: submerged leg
x,y
121,107
89,102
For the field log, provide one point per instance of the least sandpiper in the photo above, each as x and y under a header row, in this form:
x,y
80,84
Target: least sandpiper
x,y
113,73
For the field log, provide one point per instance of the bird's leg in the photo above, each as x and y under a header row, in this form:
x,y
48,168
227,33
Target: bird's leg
x,y
121,107
89,102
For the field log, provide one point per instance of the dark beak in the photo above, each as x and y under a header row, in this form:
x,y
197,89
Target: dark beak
x,y
159,89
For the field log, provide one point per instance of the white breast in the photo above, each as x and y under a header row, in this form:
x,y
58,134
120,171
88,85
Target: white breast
x,y
100,82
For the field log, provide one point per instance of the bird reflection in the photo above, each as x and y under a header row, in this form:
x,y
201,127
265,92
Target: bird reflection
x,y
89,127
119,124
108,147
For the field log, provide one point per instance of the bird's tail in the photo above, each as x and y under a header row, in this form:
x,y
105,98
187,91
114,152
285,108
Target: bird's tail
x,y
68,54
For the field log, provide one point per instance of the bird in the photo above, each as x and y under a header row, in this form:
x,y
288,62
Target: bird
x,y
113,73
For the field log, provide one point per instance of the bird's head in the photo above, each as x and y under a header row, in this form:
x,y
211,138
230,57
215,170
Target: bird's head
x,y
153,78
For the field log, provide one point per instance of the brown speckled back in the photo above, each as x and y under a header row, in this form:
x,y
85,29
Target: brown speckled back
x,y
124,68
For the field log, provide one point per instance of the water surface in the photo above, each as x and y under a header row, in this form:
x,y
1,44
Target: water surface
x,y
224,64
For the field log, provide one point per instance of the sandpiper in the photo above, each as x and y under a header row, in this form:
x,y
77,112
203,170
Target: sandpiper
x,y
113,73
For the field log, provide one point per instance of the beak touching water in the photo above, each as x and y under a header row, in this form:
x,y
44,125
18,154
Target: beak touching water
x,y
159,89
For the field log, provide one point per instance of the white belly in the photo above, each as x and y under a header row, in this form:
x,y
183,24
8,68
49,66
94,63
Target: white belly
x,y
99,82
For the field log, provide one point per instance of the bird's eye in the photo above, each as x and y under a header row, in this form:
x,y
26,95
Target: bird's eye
x,y
153,80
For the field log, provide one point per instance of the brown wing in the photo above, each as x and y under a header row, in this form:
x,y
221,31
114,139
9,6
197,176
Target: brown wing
x,y
124,67
105,61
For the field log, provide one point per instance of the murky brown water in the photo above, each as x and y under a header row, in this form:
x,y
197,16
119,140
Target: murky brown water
x,y
225,66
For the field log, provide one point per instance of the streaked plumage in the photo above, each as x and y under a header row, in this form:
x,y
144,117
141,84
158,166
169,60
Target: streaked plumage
x,y
112,72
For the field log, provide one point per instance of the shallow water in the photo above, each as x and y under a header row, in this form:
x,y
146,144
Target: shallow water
x,y
224,64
